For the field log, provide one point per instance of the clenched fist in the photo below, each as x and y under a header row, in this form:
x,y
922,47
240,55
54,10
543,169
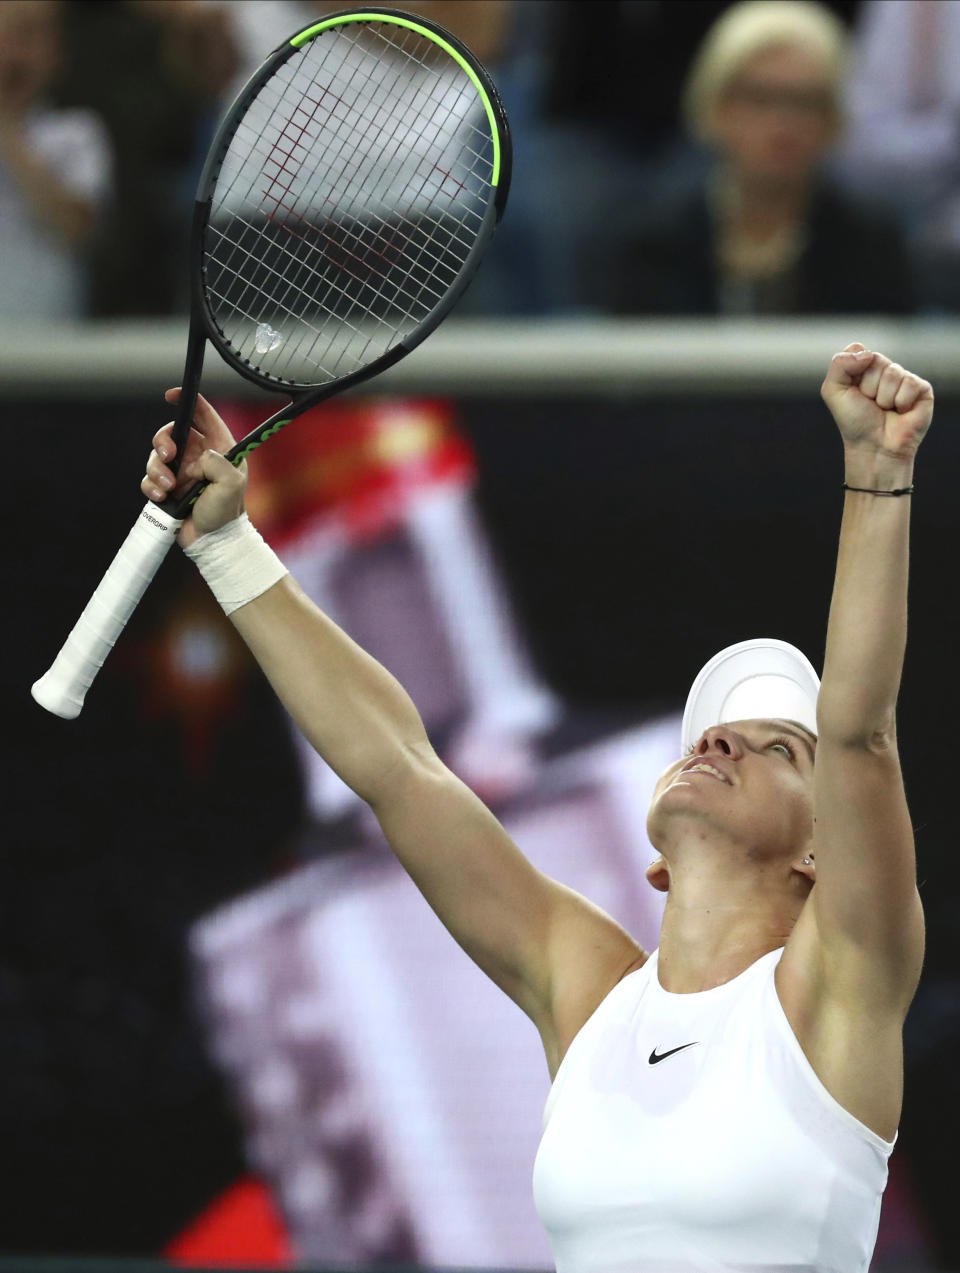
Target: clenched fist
x,y
882,411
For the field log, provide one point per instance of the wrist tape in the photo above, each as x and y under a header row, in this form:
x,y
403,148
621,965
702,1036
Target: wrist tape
x,y
236,563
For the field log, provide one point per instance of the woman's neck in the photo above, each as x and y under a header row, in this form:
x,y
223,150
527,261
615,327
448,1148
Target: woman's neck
x,y
707,938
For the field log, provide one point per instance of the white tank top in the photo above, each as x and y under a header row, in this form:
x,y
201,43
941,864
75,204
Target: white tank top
x,y
687,1133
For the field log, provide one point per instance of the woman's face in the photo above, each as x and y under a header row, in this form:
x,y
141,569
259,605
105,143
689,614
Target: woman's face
x,y
777,117
748,785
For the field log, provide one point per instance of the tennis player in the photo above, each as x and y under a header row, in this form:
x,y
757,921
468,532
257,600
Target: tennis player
x,y
730,1101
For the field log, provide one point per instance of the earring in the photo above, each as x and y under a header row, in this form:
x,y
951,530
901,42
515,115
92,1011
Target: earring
x,y
806,862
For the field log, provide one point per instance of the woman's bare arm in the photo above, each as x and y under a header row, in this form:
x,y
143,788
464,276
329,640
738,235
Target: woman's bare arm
x,y
865,901
550,950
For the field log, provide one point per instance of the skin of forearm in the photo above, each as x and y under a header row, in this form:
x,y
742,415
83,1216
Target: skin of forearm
x,y
351,709
70,218
867,628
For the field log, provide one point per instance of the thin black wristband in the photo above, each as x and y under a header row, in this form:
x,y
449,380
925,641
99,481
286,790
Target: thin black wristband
x,y
866,490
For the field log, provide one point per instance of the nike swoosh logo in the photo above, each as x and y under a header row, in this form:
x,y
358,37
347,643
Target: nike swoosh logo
x,y
653,1058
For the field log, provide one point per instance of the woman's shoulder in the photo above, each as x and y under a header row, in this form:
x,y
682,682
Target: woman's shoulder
x,y
579,1009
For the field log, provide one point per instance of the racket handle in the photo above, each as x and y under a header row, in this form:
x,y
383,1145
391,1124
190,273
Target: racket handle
x,y
63,689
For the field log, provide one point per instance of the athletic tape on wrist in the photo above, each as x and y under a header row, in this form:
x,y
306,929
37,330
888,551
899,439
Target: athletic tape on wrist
x,y
236,563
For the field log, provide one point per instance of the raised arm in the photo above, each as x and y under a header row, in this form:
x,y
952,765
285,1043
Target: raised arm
x,y
552,952
866,904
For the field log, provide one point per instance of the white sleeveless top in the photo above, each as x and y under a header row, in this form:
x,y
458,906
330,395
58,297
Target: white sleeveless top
x,y
687,1133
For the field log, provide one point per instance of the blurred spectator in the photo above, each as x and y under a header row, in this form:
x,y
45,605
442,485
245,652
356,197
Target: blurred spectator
x,y
602,128
903,134
763,230
154,71
54,172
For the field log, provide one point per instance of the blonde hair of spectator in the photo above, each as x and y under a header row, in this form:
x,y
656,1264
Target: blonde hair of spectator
x,y
747,29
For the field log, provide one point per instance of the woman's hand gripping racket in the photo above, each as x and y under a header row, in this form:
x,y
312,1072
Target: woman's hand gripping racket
x,y
203,466
343,208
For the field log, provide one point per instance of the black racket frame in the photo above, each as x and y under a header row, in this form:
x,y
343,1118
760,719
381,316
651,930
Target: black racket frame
x,y
203,325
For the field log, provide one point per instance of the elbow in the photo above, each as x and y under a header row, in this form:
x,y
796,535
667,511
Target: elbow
x,y
396,771
849,726
879,737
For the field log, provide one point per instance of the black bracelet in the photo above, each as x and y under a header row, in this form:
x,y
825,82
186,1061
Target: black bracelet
x,y
866,490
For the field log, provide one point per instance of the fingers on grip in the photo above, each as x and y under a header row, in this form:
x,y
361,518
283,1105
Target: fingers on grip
x,y
217,468
207,421
158,479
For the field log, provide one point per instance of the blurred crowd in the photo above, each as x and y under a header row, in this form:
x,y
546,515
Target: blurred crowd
x,y
765,156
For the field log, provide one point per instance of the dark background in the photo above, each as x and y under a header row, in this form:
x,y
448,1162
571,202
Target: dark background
x,y
637,538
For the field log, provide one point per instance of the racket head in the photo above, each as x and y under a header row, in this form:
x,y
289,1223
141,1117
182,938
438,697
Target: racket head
x,y
346,201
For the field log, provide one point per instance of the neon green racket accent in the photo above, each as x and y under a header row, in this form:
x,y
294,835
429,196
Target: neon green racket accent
x,y
242,455
312,32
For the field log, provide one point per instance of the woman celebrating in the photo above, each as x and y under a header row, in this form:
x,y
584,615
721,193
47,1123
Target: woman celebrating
x,y
730,1101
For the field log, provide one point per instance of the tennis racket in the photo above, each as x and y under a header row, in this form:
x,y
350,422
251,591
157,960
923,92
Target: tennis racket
x,y
343,208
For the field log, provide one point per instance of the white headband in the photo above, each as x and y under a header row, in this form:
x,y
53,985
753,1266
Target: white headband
x,y
759,679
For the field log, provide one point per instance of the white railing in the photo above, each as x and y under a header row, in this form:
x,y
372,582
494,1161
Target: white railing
x,y
497,357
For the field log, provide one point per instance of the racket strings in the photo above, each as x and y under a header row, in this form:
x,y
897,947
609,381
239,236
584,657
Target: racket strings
x,y
296,140
283,276
233,303
370,238
279,301
365,242
429,117
349,197
346,231
339,235
424,118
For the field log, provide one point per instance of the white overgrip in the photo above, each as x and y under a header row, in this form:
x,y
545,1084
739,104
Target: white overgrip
x,y
63,689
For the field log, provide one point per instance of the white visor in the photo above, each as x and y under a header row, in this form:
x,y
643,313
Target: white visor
x,y
753,680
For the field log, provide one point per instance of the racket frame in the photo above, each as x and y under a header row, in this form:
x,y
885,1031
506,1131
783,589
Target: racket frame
x,y
63,687
203,324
